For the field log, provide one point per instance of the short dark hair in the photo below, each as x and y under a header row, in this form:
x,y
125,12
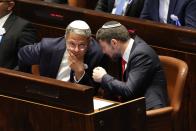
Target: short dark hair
x,y
119,32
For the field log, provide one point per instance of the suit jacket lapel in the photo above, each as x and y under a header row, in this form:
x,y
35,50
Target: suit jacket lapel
x,y
56,60
128,7
156,10
126,73
9,21
111,5
7,26
172,6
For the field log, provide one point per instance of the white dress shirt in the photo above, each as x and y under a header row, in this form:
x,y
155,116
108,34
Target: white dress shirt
x,y
3,19
128,51
64,70
163,10
124,8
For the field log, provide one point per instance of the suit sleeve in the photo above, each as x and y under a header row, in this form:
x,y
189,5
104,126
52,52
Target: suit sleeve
x,y
190,14
28,56
138,76
27,36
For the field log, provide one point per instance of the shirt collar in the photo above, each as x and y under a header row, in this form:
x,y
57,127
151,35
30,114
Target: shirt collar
x,y
128,50
124,7
3,19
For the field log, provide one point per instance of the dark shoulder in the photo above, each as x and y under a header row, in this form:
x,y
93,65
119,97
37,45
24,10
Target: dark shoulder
x,y
94,47
52,43
142,49
19,20
141,46
94,53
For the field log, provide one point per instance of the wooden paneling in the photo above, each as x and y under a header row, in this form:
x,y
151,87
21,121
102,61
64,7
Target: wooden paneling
x,y
49,91
21,115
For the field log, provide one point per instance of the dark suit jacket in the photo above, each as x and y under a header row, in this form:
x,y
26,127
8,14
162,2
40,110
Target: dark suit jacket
x,y
143,77
184,9
48,53
134,9
19,32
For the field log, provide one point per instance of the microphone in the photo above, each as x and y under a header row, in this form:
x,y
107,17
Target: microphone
x,y
85,66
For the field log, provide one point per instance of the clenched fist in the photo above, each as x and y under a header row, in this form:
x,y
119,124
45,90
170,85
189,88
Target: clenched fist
x,y
98,73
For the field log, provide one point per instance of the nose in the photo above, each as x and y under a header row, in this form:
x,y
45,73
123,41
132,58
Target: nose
x,y
76,49
104,51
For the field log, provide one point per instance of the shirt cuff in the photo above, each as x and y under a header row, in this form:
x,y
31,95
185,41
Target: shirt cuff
x,y
77,81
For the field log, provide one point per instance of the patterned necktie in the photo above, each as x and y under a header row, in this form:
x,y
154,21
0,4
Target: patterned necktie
x,y
119,7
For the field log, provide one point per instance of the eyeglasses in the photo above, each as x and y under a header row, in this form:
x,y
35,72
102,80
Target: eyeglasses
x,y
71,45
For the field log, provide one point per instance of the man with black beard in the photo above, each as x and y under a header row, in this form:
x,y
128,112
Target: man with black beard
x,y
142,73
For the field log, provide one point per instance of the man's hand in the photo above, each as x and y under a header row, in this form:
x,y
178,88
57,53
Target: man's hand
x,y
76,65
98,74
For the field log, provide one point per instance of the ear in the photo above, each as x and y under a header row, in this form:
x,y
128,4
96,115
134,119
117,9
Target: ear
x,y
11,5
114,42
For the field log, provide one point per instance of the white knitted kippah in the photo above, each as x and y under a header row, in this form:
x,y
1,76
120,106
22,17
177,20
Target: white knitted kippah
x,y
111,26
79,24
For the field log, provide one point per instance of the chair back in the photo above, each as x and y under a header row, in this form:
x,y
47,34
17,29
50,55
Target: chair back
x,y
167,118
35,70
176,72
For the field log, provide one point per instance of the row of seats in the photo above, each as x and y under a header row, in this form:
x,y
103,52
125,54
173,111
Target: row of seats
x,y
179,13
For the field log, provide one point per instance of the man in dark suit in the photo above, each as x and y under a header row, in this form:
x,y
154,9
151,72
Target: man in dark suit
x,y
133,7
15,32
142,73
69,58
177,12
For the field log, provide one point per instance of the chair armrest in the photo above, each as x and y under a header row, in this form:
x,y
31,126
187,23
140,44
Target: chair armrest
x,y
159,112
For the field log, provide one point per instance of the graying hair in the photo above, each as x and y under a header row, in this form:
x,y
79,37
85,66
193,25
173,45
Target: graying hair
x,y
84,32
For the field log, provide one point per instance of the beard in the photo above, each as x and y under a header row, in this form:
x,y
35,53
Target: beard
x,y
116,57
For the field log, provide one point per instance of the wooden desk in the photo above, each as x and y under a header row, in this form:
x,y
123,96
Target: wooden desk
x,y
22,111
